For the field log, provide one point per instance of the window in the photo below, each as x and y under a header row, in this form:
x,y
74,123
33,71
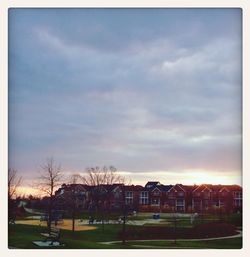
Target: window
x,y
144,197
180,202
221,203
171,202
129,194
237,195
206,195
181,193
215,203
117,194
129,197
205,203
155,201
223,193
238,202
171,195
156,192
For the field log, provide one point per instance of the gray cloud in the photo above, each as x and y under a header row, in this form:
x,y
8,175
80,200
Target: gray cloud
x,y
146,94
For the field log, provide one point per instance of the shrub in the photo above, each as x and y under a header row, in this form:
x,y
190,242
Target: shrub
x,y
214,229
208,230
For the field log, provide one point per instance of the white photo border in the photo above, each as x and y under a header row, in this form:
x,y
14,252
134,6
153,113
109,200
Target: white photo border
x,y
5,5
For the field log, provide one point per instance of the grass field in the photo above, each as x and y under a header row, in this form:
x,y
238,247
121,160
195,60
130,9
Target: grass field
x,y
30,229
234,243
21,236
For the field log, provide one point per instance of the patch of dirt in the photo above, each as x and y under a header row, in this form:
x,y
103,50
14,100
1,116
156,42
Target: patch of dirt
x,y
66,224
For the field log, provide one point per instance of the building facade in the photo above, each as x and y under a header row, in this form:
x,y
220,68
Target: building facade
x,y
155,197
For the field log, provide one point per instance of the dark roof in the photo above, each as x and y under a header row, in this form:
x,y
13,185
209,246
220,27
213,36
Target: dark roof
x,y
234,187
84,186
164,188
152,184
70,187
189,188
134,188
111,187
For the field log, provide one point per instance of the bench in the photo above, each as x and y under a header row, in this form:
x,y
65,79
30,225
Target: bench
x,y
53,236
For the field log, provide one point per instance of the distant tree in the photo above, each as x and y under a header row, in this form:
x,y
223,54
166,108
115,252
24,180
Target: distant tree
x,y
49,180
14,181
98,178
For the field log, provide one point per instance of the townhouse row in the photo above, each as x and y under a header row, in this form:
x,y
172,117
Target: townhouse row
x,y
156,197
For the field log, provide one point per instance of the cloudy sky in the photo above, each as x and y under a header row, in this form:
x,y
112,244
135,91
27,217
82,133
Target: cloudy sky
x,y
154,92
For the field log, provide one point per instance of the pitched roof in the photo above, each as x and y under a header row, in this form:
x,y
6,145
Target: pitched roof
x,y
189,188
224,189
111,187
152,184
164,188
234,187
201,188
134,188
68,187
179,186
217,188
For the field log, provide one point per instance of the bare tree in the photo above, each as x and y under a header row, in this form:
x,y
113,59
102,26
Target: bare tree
x,y
49,180
72,198
14,181
98,178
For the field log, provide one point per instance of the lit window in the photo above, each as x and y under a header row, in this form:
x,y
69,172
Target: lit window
x,y
129,197
144,197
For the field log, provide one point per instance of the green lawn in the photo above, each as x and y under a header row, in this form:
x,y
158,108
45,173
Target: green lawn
x,y
21,236
234,243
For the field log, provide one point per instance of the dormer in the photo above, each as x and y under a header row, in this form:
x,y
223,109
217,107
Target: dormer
x,y
156,191
152,184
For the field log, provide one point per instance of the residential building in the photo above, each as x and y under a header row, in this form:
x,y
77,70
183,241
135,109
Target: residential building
x,y
155,197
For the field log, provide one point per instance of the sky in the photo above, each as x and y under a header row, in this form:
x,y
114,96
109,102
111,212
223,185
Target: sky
x,y
154,92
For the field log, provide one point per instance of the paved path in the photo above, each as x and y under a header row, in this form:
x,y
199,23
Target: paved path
x,y
171,240
129,222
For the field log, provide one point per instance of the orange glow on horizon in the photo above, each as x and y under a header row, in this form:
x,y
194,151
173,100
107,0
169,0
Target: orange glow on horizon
x,y
207,178
27,190
186,177
164,177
